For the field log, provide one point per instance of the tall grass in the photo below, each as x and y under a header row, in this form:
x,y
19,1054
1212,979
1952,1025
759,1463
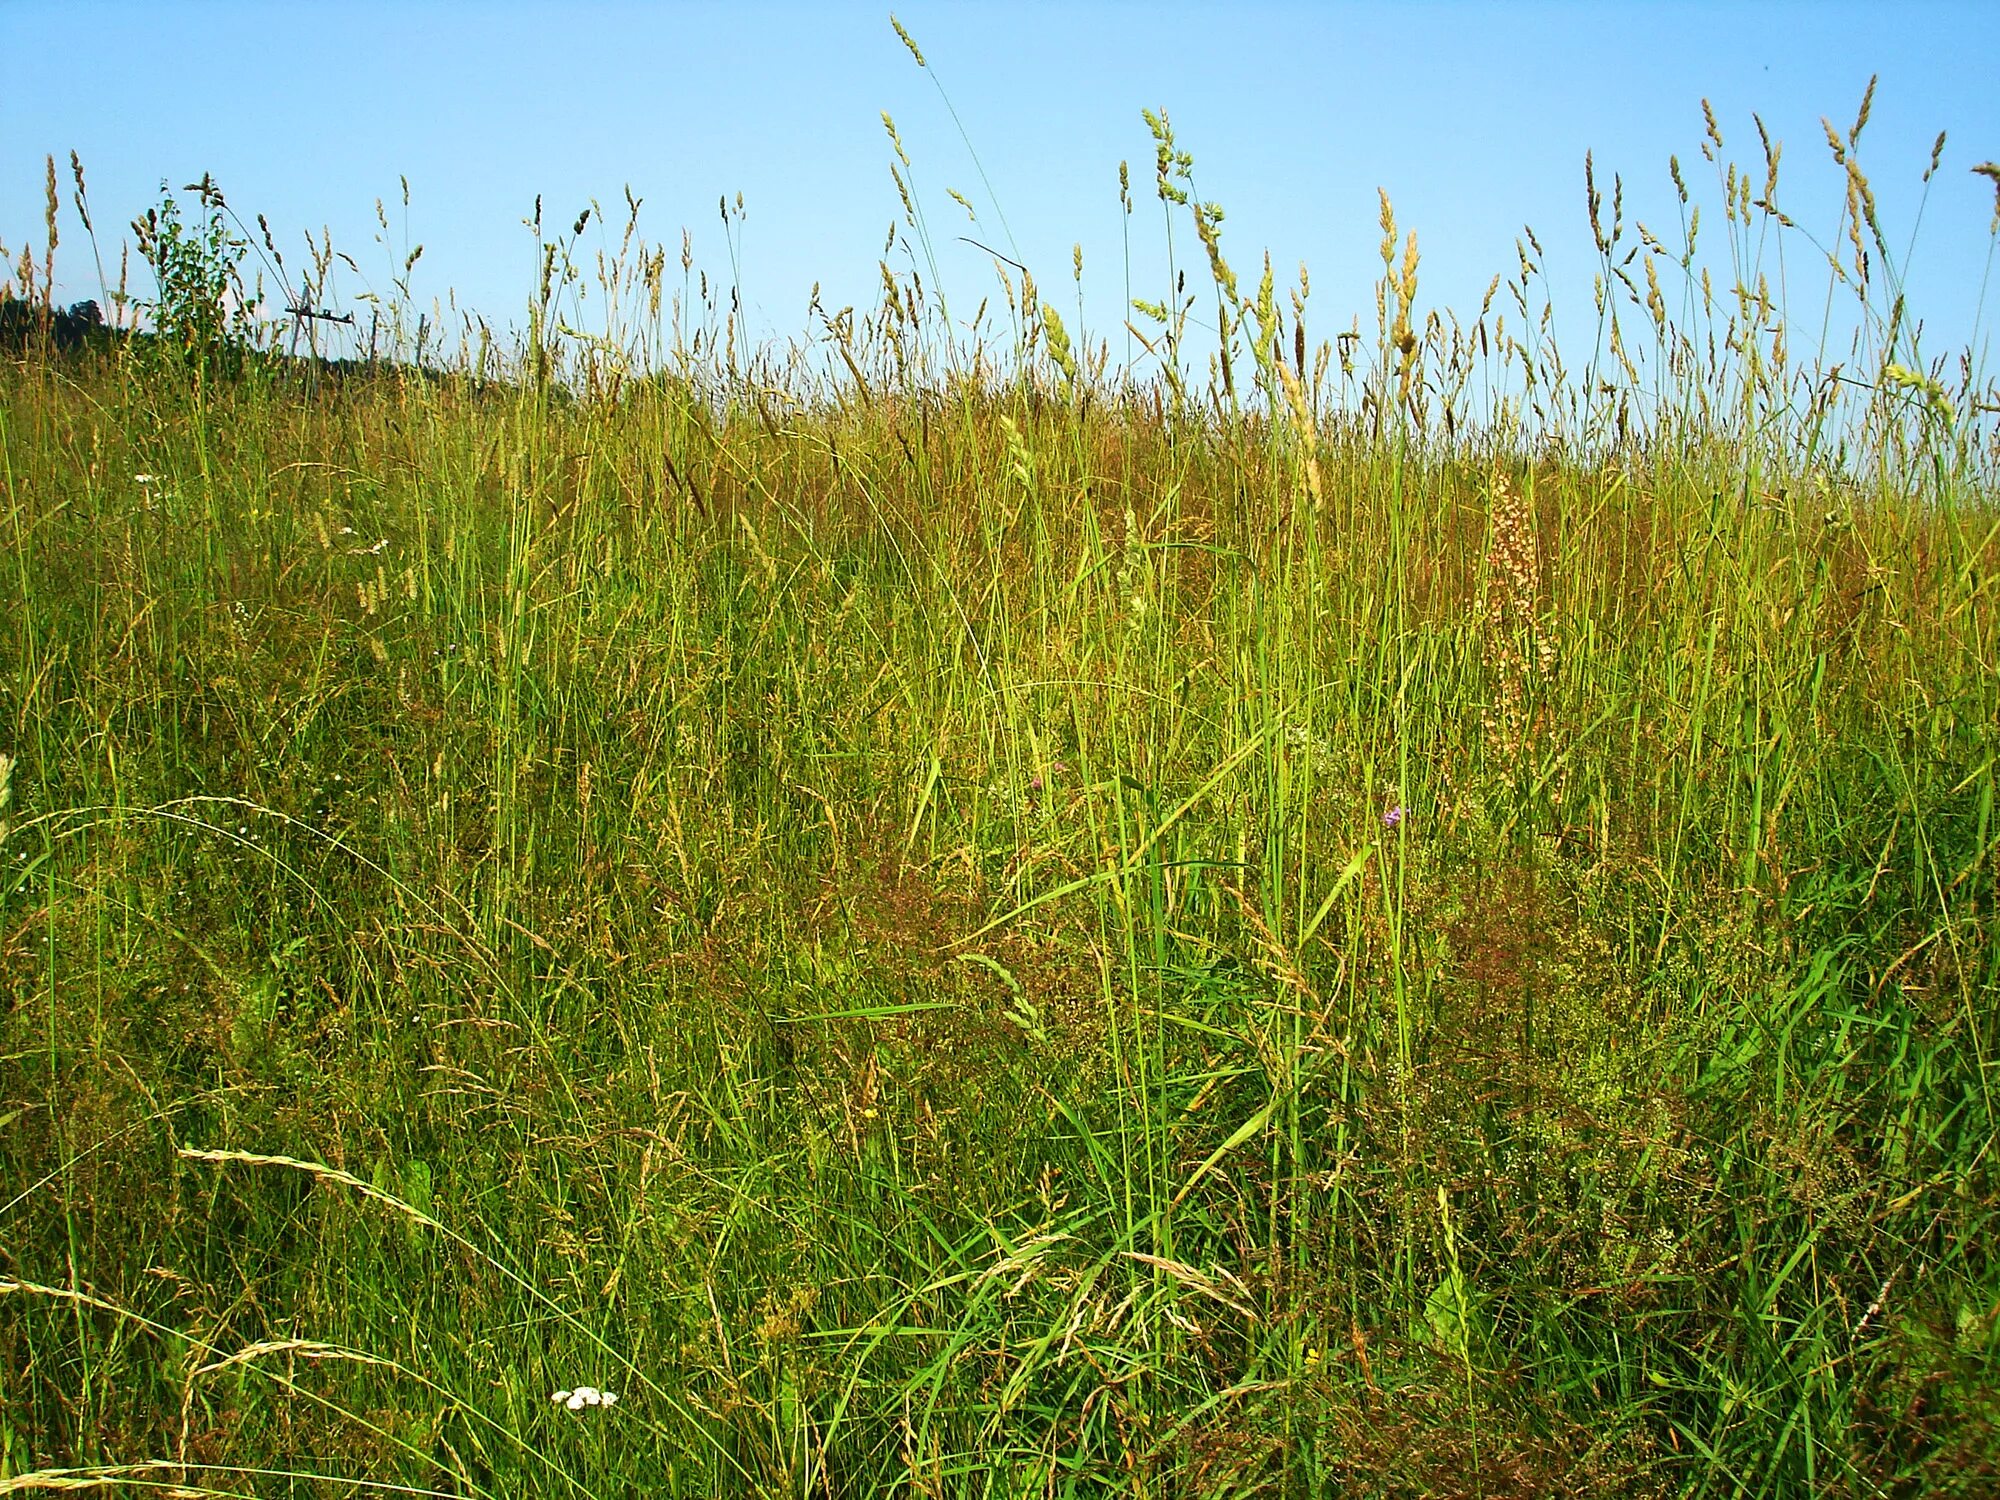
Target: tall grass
x,y
1407,914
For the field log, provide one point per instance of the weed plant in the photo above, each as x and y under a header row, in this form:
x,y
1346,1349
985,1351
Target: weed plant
x,y
1397,915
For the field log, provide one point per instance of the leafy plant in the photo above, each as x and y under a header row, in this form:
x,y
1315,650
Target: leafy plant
x,y
202,315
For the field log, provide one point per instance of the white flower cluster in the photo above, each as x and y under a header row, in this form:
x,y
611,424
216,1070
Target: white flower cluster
x,y
584,1395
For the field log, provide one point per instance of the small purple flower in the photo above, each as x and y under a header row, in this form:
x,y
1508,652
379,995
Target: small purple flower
x,y
1393,816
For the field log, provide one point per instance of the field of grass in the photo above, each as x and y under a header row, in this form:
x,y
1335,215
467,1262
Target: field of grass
x,y
1411,914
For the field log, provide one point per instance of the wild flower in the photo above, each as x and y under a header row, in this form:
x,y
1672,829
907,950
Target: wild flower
x,y
584,1395
1316,750
1393,816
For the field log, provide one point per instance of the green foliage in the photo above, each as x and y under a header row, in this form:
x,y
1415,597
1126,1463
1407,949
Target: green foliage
x,y
203,315
1011,933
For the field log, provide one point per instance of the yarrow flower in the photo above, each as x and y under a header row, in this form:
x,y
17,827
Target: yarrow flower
x,y
584,1395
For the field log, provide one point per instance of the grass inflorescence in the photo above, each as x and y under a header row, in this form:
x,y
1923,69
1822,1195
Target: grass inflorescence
x,y
926,913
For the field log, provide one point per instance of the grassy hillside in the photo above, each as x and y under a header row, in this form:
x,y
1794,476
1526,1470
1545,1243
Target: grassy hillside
x,y
1386,916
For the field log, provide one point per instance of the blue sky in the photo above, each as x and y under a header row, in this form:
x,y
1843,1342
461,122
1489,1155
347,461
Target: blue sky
x,y
1475,118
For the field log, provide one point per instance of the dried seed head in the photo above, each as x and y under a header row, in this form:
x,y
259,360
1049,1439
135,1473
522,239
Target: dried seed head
x,y
1516,643
1991,171
1594,202
1772,151
1861,119
51,212
82,202
894,139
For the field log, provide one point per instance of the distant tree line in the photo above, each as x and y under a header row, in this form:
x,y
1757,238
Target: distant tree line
x,y
31,331
29,326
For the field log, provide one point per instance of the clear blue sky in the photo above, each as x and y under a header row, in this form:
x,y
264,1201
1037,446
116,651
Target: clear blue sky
x,y
1474,117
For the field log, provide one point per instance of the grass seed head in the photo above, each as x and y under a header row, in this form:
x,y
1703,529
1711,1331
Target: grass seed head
x,y
1991,172
908,41
1861,118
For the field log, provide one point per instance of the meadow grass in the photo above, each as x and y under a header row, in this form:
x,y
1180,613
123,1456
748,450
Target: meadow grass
x,y
1398,917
